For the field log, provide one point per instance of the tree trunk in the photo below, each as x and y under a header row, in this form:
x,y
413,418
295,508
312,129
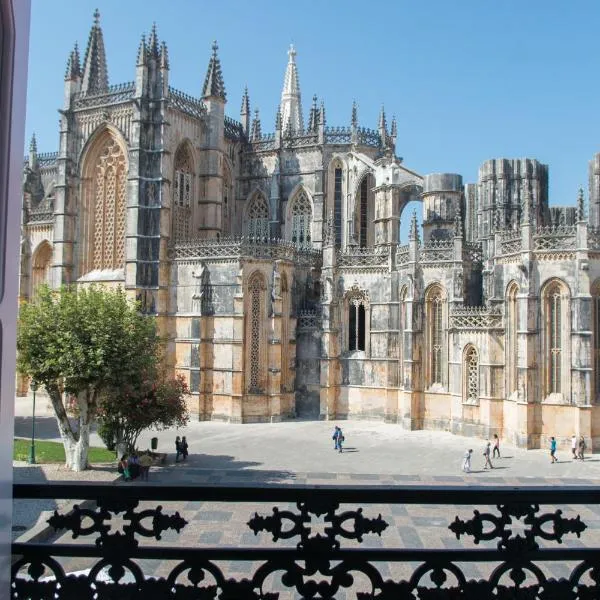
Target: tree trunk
x,y
76,444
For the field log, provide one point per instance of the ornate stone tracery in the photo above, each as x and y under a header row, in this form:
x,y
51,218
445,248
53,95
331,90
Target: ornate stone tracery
x,y
182,193
257,218
255,334
301,214
471,367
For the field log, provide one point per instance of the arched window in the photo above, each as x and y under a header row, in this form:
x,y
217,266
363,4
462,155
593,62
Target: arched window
x,y
182,193
557,333
256,291
301,213
40,266
358,316
257,218
434,306
471,375
511,350
364,208
102,220
596,340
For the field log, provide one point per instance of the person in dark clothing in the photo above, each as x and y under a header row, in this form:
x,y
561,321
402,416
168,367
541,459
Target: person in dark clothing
x,y
177,448
184,447
496,449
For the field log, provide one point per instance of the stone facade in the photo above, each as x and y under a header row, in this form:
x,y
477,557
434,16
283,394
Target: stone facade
x,y
274,265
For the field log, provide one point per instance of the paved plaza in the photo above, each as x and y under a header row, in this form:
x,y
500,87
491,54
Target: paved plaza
x,y
302,453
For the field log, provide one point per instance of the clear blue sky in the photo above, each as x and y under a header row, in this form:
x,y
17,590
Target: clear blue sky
x,y
467,80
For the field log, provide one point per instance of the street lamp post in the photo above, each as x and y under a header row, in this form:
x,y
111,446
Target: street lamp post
x,y
31,461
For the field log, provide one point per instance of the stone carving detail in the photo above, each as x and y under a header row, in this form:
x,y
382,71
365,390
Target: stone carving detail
x,y
402,255
200,294
476,318
362,257
561,237
437,251
511,245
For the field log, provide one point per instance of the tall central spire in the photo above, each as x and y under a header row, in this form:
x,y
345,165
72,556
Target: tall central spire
x,y
95,76
291,103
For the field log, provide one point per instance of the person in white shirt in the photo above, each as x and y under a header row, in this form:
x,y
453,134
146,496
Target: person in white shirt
x,y
466,465
574,446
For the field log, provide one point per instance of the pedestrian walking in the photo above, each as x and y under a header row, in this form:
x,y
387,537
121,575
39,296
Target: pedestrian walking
x,y
335,437
341,439
574,446
466,464
496,446
553,458
581,448
486,452
177,448
184,447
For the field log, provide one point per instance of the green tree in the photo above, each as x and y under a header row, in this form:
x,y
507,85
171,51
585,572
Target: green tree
x,y
157,403
84,341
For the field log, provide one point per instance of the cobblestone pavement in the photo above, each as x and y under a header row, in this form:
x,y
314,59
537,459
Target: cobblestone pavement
x,y
375,454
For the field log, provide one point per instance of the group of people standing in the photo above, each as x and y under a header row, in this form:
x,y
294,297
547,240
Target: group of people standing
x,y
133,466
181,448
488,454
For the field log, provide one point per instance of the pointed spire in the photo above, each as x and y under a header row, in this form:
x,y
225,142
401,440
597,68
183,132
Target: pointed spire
x,y
153,42
256,129
73,70
580,206
33,153
394,130
278,121
291,102
142,52
95,72
354,119
213,83
313,118
413,233
382,120
245,110
322,114
164,56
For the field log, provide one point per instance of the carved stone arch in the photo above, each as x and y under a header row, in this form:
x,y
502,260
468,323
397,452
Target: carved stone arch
x,y
256,215
299,217
183,190
555,298
102,215
470,368
90,145
41,265
256,319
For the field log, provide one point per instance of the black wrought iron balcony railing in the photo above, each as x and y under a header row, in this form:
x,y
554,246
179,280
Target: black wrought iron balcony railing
x,y
514,535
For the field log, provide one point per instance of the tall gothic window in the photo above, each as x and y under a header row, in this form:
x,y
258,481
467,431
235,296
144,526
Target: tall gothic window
x,y
471,375
337,205
596,340
364,195
256,290
102,224
554,338
512,324
182,193
436,335
301,212
357,305
257,218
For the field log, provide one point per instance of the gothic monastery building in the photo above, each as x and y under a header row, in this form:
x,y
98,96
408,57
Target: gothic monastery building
x,y
274,265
